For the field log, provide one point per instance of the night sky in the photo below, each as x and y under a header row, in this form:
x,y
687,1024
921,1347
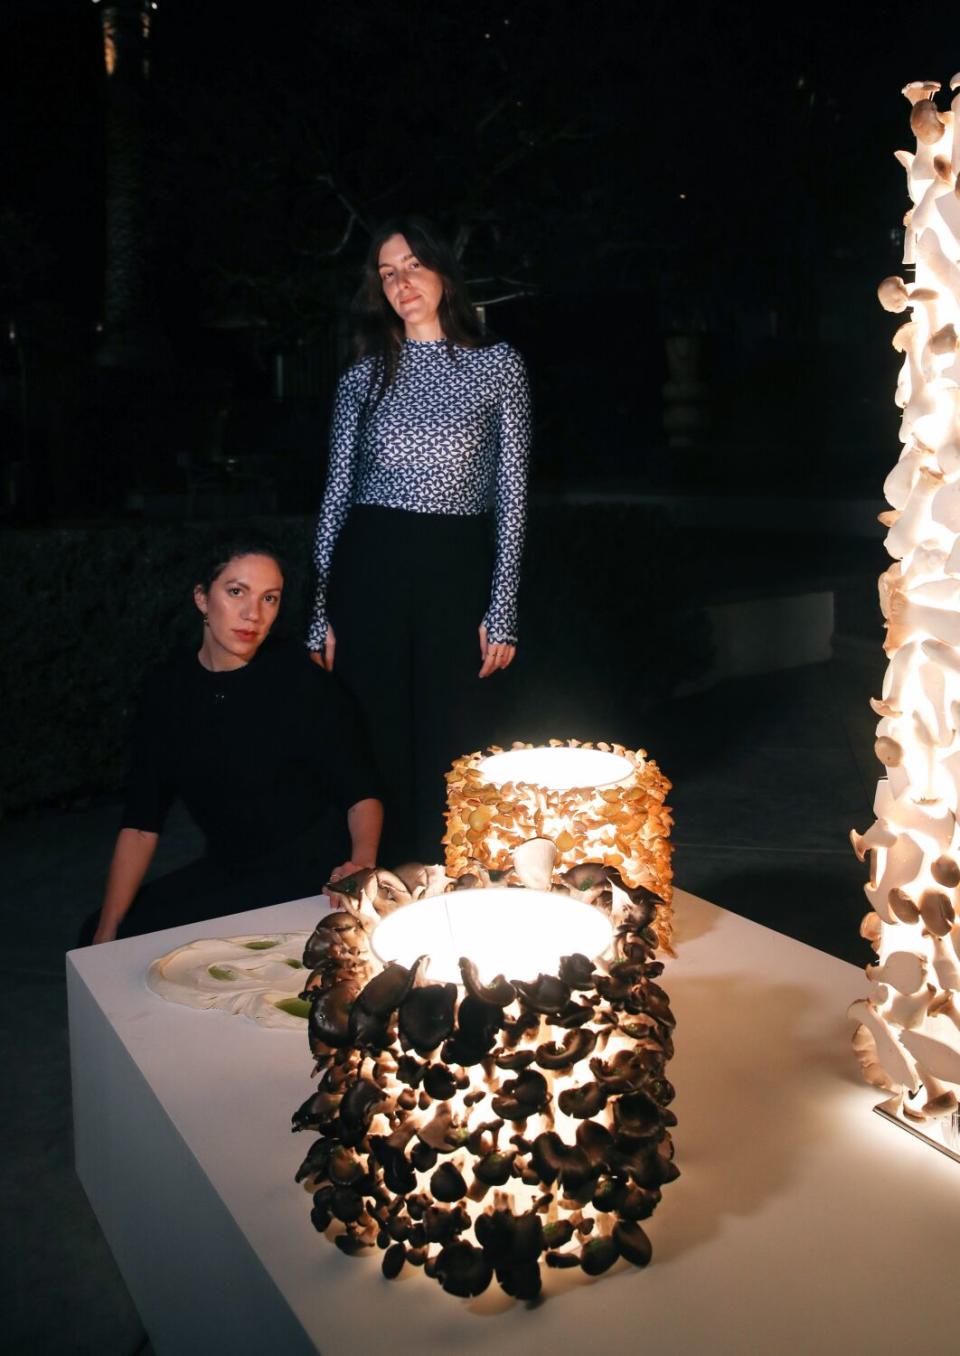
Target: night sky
x,y
632,170
576,127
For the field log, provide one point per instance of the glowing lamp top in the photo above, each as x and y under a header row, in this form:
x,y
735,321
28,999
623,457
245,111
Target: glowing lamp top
x,y
514,932
556,769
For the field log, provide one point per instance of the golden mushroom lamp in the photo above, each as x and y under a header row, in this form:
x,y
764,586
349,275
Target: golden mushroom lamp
x,y
597,803
491,1054
908,1032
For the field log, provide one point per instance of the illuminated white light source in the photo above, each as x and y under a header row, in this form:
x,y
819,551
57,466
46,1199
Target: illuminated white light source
x,y
514,932
908,1034
557,769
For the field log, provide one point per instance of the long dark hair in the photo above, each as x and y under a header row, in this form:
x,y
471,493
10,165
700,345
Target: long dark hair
x,y
378,330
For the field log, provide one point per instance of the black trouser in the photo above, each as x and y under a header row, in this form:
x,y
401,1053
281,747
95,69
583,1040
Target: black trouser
x,y
408,592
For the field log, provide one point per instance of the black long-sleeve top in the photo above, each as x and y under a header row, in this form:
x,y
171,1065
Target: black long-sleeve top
x,y
260,755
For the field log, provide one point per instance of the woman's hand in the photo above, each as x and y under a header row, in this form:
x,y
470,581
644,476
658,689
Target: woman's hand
x,y
345,869
104,934
324,657
493,657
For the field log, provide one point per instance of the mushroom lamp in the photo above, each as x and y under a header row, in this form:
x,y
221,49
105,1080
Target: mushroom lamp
x,y
492,1097
597,803
908,1024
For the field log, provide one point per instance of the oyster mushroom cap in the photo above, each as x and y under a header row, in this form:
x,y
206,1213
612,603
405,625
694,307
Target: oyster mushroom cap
x,y
427,1016
902,341
387,990
390,892
329,1019
509,1238
595,1140
435,1132
921,89
393,1260
533,862
946,871
498,993
637,1114
440,1083
349,928
892,293
357,1110
633,1243
598,1255
937,912
926,123
871,929
447,1184
354,890
576,971
463,1270
586,881
520,1097
582,1101
478,1021
576,1045
412,876
495,1168
547,993
368,1031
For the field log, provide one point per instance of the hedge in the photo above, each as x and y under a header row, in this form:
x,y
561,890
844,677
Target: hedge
x,y
91,608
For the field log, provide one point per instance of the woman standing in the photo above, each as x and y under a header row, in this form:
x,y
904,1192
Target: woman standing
x,y
431,428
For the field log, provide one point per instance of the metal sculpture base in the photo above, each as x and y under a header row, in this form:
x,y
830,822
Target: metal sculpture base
x,y
942,1134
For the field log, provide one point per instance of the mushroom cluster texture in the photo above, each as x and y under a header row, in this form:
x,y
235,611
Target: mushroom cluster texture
x,y
625,824
484,1129
908,1033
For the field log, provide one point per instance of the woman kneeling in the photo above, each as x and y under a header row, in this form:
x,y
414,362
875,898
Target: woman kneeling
x,y
265,750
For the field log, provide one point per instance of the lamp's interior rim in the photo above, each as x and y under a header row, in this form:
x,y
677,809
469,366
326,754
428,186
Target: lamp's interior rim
x,y
486,765
488,900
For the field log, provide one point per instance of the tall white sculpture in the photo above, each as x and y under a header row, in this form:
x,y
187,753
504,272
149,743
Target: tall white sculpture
x,y
908,1039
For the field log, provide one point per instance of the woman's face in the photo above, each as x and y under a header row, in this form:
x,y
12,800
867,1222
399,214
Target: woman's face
x,y
413,290
240,608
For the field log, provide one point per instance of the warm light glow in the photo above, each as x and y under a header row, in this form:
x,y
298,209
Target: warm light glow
x,y
520,1120
597,803
558,769
908,1038
517,933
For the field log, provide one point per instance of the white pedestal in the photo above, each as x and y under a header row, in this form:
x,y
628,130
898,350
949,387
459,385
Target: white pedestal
x,y
802,1222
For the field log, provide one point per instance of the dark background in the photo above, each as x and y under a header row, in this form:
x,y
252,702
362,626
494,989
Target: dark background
x,y
622,172
678,213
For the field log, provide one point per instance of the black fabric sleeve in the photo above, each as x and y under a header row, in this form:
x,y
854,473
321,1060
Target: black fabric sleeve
x,y
148,793
346,756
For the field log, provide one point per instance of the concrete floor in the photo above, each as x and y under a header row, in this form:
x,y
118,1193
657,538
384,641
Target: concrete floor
x,y
770,774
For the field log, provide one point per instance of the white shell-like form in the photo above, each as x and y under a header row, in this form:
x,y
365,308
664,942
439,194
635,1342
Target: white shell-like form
x,y
248,976
891,1055
533,862
937,1048
903,970
914,844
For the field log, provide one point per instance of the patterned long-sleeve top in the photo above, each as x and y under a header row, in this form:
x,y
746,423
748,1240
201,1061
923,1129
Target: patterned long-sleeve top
x,y
450,435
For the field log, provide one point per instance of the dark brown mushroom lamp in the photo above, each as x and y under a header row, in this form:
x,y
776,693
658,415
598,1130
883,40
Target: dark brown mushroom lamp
x,y
491,1053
